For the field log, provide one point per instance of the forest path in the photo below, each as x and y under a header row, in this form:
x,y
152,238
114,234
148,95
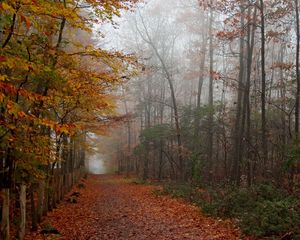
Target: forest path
x,y
113,208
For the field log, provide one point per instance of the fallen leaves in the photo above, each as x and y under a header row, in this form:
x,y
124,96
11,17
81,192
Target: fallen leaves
x,y
112,208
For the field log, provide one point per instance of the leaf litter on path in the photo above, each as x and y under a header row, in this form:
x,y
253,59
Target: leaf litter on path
x,y
112,208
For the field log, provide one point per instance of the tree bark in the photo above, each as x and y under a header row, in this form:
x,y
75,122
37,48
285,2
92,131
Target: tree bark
x,y
235,168
297,71
40,204
33,210
263,90
4,234
247,107
200,84
210,98
23,212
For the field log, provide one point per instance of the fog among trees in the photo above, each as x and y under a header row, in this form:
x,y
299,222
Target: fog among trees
x,y
217,97
199,96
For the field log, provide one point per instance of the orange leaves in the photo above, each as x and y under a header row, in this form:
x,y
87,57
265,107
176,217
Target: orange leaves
x,y
2,59
228,35
215,75
46,92
7,88
106,9
57,10
68,129
282,65
21,114
7,8
2,96
14,109
11,107
15,63
26,21
112,208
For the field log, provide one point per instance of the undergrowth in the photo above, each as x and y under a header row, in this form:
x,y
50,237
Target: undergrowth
x,y
261,211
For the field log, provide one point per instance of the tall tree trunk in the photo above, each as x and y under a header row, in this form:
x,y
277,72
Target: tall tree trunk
x,y
146,163
297,71
200,84
7,185
263,90
33,210
46,192
23,212
40,204
4,234
238,134
210,98
1,24
128,165
283,116
247,108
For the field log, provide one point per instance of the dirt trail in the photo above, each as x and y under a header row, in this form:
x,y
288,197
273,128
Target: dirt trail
x,y
112,208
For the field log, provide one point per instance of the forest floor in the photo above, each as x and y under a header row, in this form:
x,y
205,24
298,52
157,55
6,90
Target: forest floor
x,y
115,208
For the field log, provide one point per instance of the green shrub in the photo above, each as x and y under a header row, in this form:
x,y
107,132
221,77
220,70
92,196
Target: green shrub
x,y
138,181
261,211
270,218
184,191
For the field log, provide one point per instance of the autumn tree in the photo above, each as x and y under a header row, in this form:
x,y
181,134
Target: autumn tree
x,y
53,90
